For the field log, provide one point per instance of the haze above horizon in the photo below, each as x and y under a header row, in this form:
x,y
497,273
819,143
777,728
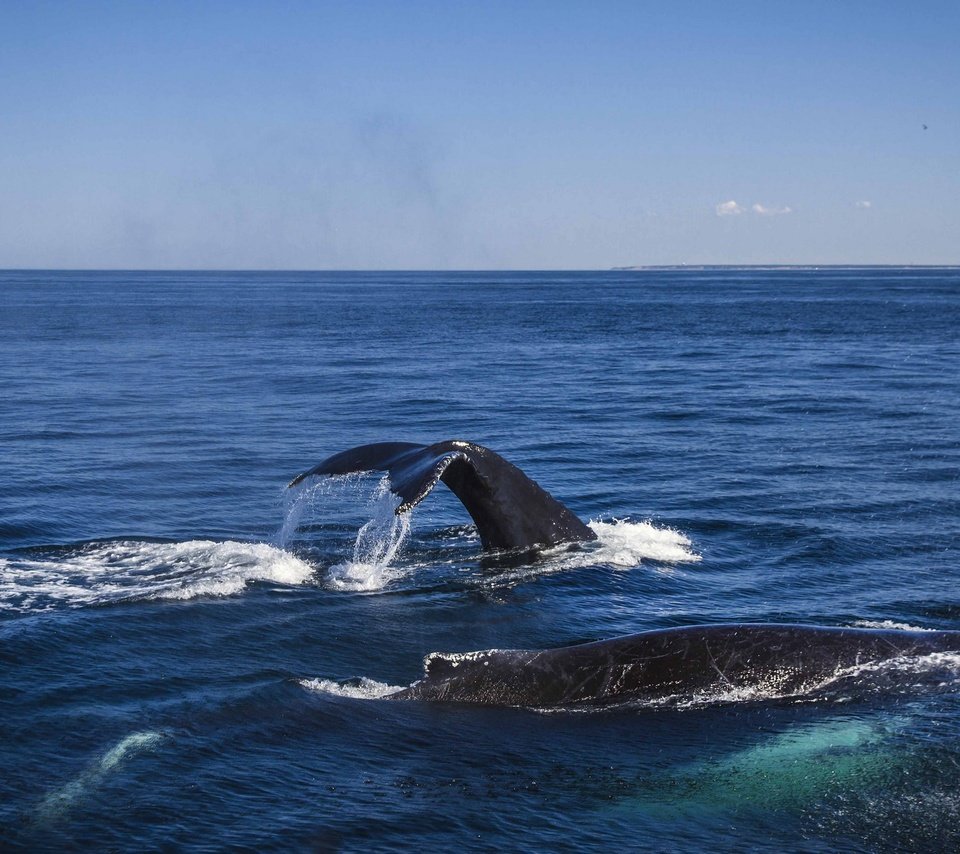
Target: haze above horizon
x,y
430,135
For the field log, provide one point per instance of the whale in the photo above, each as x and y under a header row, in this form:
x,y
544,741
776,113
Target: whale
x,y
735,661
509,509
789,770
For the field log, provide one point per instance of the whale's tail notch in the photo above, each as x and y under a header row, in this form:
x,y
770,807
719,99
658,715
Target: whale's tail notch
x,y
510,510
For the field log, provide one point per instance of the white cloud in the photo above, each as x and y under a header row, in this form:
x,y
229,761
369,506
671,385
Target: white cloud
x,y
730,208
763,210
863,205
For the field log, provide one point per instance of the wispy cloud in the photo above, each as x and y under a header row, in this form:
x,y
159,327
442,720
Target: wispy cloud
x,y
733,208
730,208
863,205
763,210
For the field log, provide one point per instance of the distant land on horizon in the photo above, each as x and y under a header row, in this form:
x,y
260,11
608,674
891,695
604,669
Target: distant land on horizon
x,y
787,267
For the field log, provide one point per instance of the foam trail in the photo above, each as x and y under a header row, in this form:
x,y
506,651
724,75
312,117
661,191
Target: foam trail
x,y
378,543
357,689
100,573
60,800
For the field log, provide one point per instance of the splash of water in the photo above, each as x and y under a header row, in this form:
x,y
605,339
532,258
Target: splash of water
x,y
620,543
378,543
302,499
626,544
296,501
379,540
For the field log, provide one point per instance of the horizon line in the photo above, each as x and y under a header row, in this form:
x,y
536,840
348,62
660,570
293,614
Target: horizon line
x,y
616,269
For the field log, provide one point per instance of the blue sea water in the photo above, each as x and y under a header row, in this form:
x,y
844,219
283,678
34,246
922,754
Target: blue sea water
x,y
191,658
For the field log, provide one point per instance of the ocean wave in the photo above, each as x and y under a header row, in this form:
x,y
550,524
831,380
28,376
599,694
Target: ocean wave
x,y
106,572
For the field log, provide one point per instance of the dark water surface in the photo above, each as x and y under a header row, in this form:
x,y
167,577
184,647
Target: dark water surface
x,y
181,670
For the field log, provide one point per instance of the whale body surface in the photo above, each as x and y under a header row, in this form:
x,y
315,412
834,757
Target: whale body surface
x,y
510,510
666,664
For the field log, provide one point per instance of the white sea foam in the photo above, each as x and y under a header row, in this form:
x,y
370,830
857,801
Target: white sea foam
x,y
626,544
621,544
357,689
99,573
889,624
60,800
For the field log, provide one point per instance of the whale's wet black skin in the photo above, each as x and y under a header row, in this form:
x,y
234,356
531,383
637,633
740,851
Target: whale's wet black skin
x,y
661,665
509,509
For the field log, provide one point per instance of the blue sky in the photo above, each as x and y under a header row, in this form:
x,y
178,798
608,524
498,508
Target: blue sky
x,y
243,135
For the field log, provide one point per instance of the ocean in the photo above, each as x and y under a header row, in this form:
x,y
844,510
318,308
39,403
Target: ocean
x,y
194,657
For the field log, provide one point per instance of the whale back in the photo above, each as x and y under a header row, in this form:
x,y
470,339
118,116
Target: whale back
x,y
731,660
510,510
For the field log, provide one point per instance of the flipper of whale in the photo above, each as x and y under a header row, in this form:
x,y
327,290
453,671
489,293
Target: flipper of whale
x,y
509,509
737,661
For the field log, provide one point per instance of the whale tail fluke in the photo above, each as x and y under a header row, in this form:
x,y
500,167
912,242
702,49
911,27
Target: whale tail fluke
x,y
510,510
